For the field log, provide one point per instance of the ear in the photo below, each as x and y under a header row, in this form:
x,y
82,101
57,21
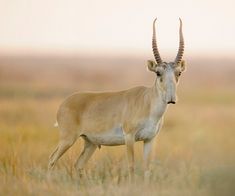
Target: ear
x,y
183,65
152,65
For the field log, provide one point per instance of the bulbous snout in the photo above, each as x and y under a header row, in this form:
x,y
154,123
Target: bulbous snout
x,y
171,98
171,90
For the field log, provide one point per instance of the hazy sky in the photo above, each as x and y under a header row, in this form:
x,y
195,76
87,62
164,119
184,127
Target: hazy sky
x,y
115,26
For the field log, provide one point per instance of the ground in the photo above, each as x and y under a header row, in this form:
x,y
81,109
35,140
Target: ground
x,y
194,152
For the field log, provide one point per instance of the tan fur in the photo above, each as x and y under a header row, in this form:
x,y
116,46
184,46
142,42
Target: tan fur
x,y
116,118
97,112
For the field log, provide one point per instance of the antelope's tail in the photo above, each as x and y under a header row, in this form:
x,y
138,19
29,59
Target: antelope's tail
x,y
56,124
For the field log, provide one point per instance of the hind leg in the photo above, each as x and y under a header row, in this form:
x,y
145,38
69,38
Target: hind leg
x,y
52,154
68,135
87,152
68,126
64,144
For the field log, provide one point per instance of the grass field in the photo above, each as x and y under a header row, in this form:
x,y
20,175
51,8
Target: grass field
x,y
194,152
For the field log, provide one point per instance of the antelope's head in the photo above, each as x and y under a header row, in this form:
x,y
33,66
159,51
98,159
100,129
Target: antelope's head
x,y
167,74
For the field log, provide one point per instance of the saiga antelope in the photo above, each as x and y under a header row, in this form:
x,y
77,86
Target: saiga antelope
x,y
118,118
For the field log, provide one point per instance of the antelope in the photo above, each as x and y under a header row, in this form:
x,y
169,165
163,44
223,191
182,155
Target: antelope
x,y
120,118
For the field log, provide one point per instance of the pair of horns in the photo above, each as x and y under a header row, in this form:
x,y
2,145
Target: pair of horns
x,y
180,50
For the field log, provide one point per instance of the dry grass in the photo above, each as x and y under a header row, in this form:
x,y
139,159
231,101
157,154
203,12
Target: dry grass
x,y
194,153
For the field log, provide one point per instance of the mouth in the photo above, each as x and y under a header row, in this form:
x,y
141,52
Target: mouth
x,y
171,102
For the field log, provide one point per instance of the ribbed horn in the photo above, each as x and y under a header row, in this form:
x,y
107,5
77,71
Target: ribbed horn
x,y
154,45
181,45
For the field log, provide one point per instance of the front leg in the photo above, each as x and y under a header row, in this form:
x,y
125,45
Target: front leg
x,y
148,144
129,141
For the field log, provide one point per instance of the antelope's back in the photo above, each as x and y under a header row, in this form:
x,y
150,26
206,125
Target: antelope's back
x,y
102,111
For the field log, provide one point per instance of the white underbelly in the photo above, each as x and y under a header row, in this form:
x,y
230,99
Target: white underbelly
x,y
111,137
146,131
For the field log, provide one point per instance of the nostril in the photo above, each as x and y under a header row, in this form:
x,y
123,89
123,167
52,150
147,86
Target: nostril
x,y
169,102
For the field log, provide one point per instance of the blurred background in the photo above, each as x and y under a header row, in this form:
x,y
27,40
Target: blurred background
x,y
50,49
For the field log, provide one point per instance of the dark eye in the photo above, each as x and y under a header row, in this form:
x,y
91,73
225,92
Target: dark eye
x,y
158,73
179,73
